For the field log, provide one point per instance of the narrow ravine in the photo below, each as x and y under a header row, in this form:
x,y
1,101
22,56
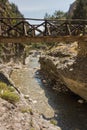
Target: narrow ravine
x,y
64,108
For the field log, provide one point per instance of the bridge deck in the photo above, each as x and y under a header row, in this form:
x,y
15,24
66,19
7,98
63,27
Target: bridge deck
x,y
47,39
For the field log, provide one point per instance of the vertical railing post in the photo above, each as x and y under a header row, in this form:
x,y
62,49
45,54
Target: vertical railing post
x,y
69,31
45,32
33,31
24,29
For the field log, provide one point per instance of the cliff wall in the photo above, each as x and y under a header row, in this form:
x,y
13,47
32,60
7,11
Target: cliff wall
x,y
11,50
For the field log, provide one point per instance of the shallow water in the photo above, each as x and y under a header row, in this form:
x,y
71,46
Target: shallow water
x,y
69,114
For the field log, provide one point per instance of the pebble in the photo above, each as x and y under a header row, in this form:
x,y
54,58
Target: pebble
x,y
34,101
71,69
44,81
80,101
26,96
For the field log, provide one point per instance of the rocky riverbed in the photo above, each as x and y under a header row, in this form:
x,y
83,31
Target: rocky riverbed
x,y
21,115
60,106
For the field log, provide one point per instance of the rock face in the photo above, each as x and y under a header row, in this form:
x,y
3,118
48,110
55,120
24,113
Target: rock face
x,y
11,50
67,64
72,8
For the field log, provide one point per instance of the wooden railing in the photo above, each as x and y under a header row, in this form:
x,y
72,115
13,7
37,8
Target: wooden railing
x,y
16,27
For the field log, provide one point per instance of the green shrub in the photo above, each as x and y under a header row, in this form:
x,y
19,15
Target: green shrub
x,y
32,128
11,89
27,110
54,122
8,93
3,86
10,96
24,110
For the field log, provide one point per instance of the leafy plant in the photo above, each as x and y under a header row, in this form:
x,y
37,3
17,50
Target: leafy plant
x,y
56,15
8,93
3,86
27,110
10,97
54,122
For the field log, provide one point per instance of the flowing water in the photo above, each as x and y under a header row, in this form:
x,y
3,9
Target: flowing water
x,y
69,114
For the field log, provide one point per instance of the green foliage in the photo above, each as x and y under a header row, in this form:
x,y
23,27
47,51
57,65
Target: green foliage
x,y
11,89
32,128
10,97
81,10
15,11
8,93
9,10
24,110
27,110
3,1
3,86
54,122
56,15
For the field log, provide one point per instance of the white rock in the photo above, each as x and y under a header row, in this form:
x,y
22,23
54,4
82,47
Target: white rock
x,y
80,101
34,101
71,69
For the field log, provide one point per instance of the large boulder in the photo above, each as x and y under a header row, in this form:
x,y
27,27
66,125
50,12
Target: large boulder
x,y
67,64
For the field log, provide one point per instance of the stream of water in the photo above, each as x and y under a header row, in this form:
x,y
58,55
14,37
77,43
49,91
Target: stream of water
x,y
69,114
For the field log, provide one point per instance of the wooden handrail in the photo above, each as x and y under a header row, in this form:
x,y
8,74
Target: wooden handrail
x,y
46,27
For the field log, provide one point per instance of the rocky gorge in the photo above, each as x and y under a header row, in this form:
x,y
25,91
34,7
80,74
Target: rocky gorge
x,y
44,89
39,106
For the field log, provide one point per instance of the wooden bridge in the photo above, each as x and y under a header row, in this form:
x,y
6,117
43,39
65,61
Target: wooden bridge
x,y
25,30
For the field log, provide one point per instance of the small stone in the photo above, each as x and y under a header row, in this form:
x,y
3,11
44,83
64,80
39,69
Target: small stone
x,y
34,101
26,96
44,81
71,69
30,100
80,101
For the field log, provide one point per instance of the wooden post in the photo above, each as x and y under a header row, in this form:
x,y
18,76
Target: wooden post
x,y
45,32
69,31
48,29
33,31
25,30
